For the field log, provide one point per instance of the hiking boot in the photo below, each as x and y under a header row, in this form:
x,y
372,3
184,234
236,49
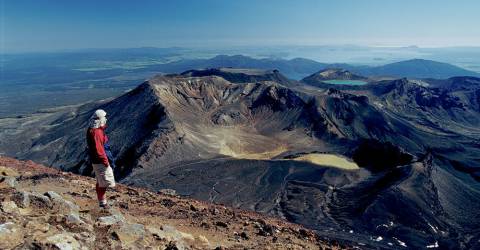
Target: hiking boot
x,y
104,205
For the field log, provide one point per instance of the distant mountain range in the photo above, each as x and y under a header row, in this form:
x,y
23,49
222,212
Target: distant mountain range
x,y
295,68
300,67
415,68
30,82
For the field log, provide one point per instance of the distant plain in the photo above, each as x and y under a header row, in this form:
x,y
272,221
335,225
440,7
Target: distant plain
x,y
32,82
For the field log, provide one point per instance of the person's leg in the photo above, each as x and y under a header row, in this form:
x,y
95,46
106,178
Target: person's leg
x,y
101,195
100,186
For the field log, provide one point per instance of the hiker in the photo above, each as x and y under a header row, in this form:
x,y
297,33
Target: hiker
x,y
99,152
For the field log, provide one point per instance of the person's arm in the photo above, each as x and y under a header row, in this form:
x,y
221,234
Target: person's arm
x,y
99,147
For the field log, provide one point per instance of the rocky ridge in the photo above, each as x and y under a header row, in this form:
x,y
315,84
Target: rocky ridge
x,y
43,208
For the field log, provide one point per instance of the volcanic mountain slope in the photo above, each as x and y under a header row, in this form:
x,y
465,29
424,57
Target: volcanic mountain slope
x,y
365,164
466,89
43,208
444,120
201,118
441,115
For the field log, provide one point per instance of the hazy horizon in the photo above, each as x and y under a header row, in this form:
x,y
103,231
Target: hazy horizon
x,y
45,26
212,47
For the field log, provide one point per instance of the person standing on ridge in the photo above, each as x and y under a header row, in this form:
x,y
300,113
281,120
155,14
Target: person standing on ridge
x,y
99,152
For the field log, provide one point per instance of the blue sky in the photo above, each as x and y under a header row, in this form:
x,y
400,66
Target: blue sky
x,y
43,25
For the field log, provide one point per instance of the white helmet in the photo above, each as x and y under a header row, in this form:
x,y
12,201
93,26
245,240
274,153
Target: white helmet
x,y
99,114
98,119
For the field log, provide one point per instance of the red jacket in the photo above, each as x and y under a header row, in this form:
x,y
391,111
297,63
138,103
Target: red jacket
x,y
96,139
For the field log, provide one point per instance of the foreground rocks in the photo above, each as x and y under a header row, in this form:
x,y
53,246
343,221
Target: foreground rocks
x,y
11,235
41,208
